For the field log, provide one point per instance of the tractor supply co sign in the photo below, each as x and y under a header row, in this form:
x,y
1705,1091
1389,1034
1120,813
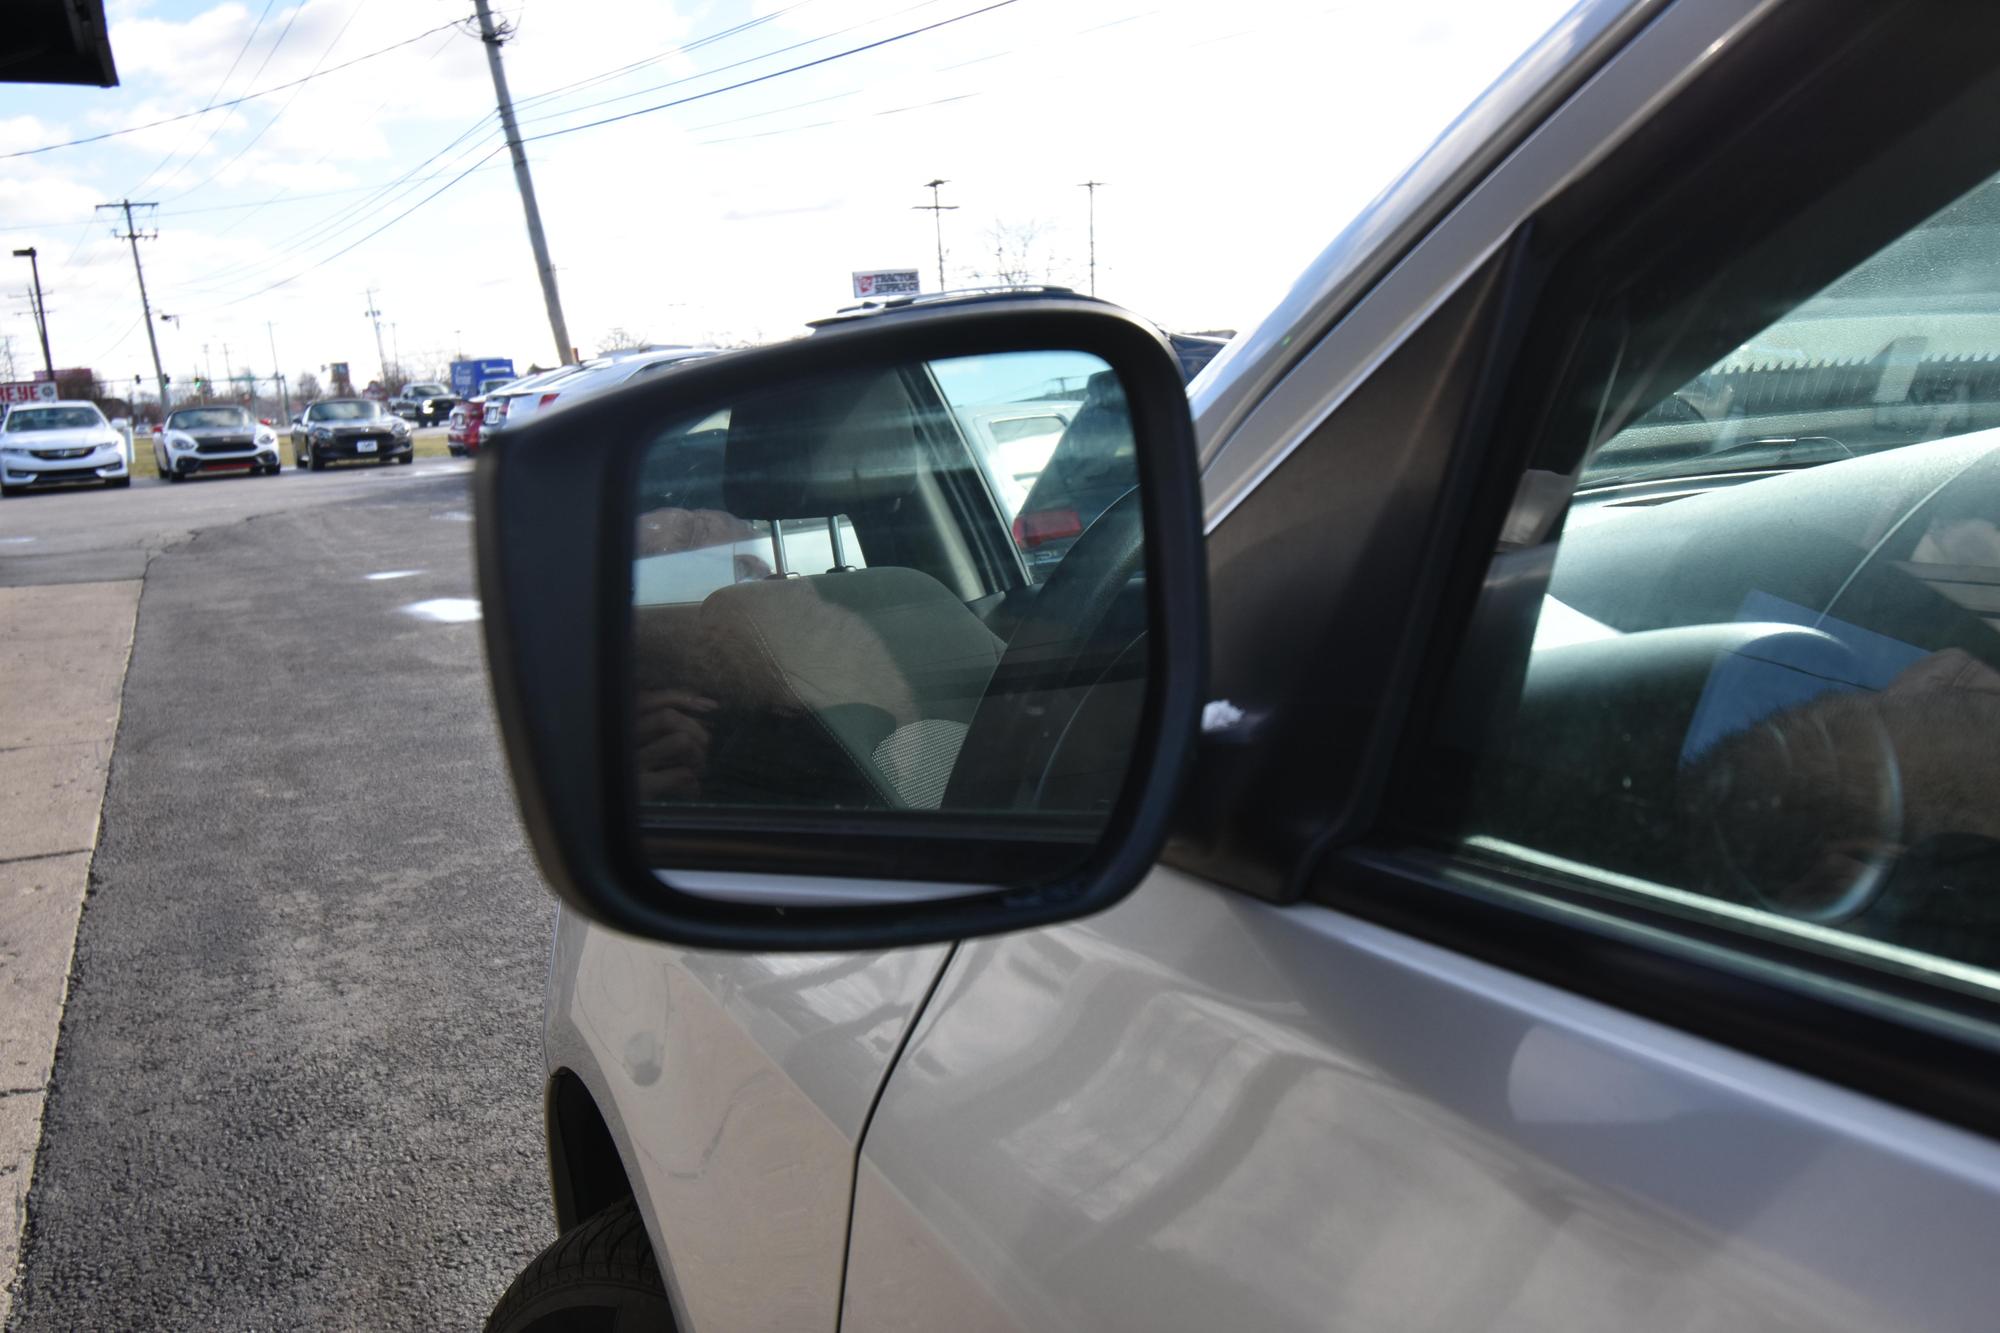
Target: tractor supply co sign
x,y
28,391
886,282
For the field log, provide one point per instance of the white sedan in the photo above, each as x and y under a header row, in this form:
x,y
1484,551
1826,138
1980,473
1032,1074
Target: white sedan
x,y
51,444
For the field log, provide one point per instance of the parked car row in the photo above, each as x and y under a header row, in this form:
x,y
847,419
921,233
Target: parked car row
x,y
510,405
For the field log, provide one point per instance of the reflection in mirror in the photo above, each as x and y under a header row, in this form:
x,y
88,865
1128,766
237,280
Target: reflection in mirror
x,y
915,588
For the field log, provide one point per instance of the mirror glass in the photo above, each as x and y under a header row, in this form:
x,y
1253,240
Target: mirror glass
x,y
898,594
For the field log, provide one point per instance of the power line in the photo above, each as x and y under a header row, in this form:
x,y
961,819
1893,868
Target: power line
x,y
234,101
280,198
251,296
343,218
279,114
734,64
607,76
283,33
319,229
774,74
215,96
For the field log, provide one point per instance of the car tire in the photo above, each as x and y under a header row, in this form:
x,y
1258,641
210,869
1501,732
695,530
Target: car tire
x,y
117,483
598,1274
9,492
408,458
174,476
314,462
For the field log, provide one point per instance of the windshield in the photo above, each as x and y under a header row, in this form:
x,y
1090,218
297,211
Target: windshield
x,y
427,390
345,409
1900,350
53,418
209,418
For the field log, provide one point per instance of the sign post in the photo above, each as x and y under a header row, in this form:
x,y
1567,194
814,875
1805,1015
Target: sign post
x,y
879,283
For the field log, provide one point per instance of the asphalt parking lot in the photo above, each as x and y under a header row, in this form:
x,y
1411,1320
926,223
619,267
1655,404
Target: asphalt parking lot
x,y
297,1078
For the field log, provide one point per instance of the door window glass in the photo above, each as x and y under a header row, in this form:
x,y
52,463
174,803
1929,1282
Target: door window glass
x,y
1764,681
1054,441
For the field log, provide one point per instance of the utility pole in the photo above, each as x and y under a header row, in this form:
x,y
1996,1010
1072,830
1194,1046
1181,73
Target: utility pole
x,y
1092,187
41,310
493,36
131,234
228,370
396,346
380,356
276,369
937,209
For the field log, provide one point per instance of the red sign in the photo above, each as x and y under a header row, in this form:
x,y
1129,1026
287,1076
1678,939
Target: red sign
x,y
27,391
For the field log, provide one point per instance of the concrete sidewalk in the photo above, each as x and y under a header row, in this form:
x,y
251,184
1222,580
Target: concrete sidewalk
x,y
63,652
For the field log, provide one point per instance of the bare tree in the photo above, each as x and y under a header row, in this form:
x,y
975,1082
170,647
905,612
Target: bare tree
x,y
8,370
621,339
1020,254
307,386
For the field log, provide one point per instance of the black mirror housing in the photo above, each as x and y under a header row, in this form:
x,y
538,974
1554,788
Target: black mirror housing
x,y
556,547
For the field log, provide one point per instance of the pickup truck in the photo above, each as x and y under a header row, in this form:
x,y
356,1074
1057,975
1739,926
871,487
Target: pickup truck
x,y
425,403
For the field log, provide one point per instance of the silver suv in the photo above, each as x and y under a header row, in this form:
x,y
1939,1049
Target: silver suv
x,y
1493,827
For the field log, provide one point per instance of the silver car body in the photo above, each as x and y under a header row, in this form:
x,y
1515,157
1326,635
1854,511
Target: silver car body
x,y
501,403
621,370
523,400
1201,1111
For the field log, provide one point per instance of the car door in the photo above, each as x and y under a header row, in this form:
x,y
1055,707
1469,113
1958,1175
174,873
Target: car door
x,y
1580,918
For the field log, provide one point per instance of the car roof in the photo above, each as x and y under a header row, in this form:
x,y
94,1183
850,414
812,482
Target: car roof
x,y
958,297
342,398
55,402
523,383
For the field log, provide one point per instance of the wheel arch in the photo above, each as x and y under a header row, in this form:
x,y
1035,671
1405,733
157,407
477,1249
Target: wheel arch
x,y
586,1172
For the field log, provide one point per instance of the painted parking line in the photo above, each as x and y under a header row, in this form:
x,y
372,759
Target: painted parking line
x,y
444,610
384,575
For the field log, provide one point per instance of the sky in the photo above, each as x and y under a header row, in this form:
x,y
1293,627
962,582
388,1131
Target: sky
x,y
1233,142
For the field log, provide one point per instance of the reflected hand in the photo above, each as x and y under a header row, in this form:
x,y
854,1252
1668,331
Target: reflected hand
x,y
672,744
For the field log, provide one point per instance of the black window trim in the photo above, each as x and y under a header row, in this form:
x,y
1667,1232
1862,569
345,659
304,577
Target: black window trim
x,y
1904,1039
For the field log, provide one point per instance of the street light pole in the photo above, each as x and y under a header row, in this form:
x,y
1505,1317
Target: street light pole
x,y
41,311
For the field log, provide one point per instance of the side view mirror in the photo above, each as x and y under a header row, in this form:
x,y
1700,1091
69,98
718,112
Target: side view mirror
x,y
773,671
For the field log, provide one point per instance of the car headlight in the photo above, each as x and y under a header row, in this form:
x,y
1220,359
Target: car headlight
x,y
400,427
322,433
14,451
267,437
